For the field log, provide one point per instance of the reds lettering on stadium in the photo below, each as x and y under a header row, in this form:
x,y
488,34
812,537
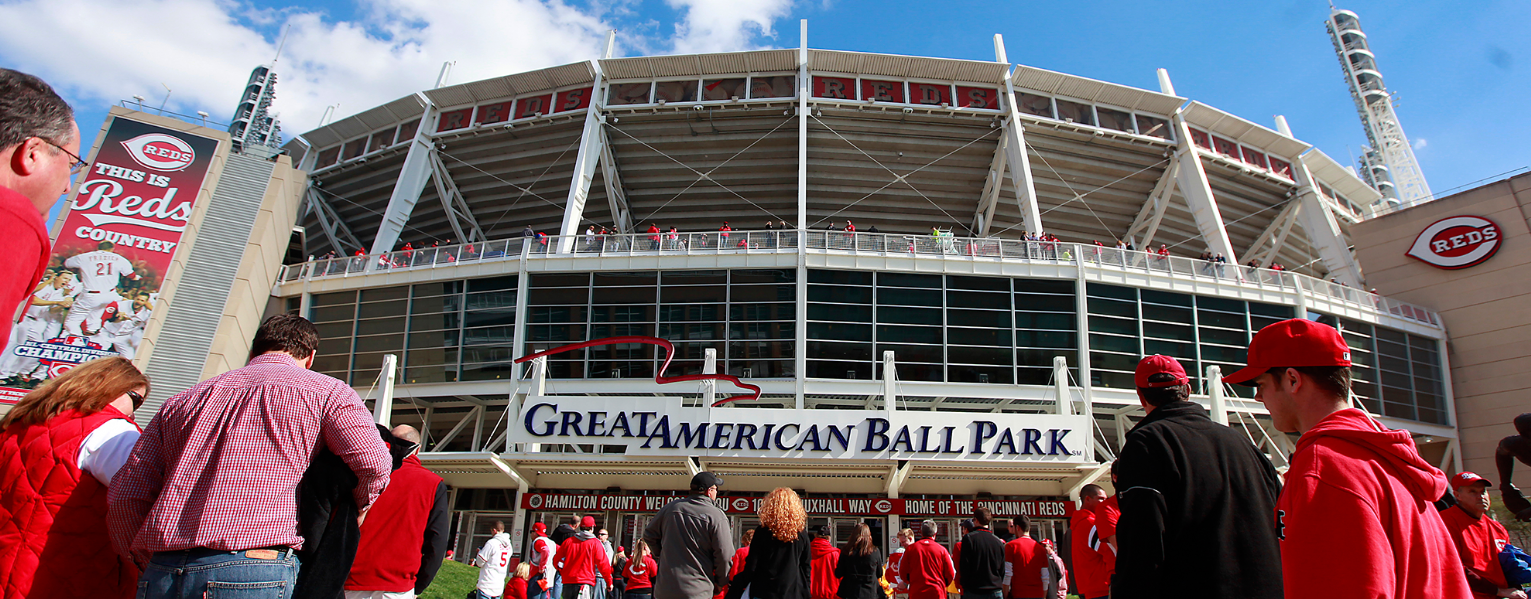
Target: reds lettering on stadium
x,y
1457,242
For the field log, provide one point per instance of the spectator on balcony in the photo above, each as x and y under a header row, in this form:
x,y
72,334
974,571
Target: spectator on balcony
x,y
654,235
770,237
723,234
601,238
872,229
528,232
590,238
674,238
542,242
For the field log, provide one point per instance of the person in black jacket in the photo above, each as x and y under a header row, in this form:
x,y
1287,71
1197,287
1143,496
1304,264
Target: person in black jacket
x,y
1198,501
981,565
860,567
777,566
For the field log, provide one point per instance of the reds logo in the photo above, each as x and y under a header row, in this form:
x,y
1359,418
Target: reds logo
x,y
883,506
741,504
160,152
1457,242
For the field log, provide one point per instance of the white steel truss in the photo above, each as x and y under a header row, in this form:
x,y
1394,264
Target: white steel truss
x,y
591,146
1323,229
1275,234
335,230
616,195
1015,149
1197,191
464,225
1152,214
413,176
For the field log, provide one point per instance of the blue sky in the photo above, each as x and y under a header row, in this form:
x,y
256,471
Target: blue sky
x,y
1460,74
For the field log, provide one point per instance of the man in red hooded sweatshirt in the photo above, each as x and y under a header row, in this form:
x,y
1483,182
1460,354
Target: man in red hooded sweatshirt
x,y
823,557
579,559
1478,539
1356,518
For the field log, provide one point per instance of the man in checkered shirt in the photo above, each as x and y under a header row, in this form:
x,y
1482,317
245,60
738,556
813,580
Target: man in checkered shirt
x,y
207,503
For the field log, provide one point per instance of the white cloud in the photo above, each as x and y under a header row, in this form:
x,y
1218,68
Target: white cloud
x,y
1420,143
102,51
725,25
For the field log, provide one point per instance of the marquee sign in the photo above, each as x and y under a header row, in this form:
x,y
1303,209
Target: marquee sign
x,y
1457,242
833,506
661,426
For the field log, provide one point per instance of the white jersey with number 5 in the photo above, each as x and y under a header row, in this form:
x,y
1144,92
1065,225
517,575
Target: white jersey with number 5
x,y
493,562
100,270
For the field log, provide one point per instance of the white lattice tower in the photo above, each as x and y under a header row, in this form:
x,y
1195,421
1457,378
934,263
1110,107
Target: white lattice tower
x,y
1388,163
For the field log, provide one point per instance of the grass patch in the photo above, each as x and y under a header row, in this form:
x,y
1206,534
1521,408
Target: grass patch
x,y
454,581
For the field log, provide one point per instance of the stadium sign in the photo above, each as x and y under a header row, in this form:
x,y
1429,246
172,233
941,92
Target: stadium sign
x,y
1457,242
815,506
660,426
120,233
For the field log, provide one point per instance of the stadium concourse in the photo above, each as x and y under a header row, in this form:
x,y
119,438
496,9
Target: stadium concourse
x,y
901,374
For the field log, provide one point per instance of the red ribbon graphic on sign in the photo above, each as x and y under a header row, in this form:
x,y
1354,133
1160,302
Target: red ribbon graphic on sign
x,y
660,377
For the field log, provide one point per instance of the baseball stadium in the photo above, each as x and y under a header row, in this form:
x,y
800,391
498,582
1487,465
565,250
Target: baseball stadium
x,y
914,259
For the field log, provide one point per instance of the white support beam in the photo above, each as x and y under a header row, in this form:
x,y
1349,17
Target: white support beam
x,y
335,230
1215,391
1274,229
889,383
1152,214
993,184
382,409
413,176
1064,405
897,474
1197,191
616,195
1089,477
1018,160
464,225
467,417
590,144
1323,229
1269,255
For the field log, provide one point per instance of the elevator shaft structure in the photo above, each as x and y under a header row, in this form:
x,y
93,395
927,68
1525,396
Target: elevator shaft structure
x,y
1388,163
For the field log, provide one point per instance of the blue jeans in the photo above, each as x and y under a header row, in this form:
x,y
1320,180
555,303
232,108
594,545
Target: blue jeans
x,y
557,587
197,573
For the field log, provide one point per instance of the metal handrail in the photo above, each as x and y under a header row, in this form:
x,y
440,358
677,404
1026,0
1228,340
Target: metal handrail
x,y
880,244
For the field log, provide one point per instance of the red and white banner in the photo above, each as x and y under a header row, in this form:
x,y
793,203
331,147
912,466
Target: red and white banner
x,y
121,230
815,506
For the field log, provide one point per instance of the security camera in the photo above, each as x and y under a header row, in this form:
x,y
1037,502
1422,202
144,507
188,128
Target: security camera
x,y
908,110
697,107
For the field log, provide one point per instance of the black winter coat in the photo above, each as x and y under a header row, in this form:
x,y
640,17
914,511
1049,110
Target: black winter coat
x,y
858,575
774,569
1198,508
327,521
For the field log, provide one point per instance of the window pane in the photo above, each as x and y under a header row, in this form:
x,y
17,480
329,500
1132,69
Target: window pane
x,y
978,318
974,299
1114,119
779,86
908,297
846,332
628,93
675,91
840,351
379,326
843,313
724,89
898,279
840,294
1058,339
909,315
904,334
1075,112
996,337
840,277
1034,105
1153,126
1044,320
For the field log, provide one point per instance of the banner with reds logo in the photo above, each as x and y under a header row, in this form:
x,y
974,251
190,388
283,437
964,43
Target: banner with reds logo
x,y
122,228
815,506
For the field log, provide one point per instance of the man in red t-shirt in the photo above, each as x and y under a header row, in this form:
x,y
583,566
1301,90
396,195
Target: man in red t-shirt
x,y
1026,561
926,566
39,151
581,559
1479,540
1089,569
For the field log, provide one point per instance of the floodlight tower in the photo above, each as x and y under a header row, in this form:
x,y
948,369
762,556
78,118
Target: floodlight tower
x,y
1388,163
253,124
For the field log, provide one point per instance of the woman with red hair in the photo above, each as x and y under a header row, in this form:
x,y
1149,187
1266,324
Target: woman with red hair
x,y
60,447
777,565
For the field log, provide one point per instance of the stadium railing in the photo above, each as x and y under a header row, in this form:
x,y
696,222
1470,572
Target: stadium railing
x,y
852,242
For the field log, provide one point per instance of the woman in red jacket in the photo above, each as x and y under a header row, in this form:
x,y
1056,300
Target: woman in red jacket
x,y
60,448
639,572
515,588
825,585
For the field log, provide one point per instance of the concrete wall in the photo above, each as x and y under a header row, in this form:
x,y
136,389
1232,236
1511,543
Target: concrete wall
x,y
258,269
1486,308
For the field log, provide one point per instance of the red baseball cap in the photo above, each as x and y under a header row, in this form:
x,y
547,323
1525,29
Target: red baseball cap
x,y
1157,364
587,522
1463,479
539,527
1294,342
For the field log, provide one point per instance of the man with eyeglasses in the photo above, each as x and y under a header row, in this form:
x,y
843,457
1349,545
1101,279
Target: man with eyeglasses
x,y
40,147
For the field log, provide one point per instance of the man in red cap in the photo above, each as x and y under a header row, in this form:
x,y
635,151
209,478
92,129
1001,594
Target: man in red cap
x,y
541,562
1356,518
579,559
1197,500
1478,539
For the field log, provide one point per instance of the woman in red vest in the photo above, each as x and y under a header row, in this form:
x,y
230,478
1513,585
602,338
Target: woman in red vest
x,y
60,448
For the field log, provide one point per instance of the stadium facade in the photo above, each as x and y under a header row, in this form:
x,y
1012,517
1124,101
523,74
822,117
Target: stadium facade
x,y
902,374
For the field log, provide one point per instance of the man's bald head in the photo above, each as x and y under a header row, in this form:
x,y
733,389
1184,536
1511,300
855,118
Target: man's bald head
x,y
407,433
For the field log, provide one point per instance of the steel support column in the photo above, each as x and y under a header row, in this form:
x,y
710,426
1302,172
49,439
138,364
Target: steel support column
x,y
1153,210
1287,218
616,195
1015,149
803,87
591,143
453,204
988,201
335,230
1197,192
1324,229
411,181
